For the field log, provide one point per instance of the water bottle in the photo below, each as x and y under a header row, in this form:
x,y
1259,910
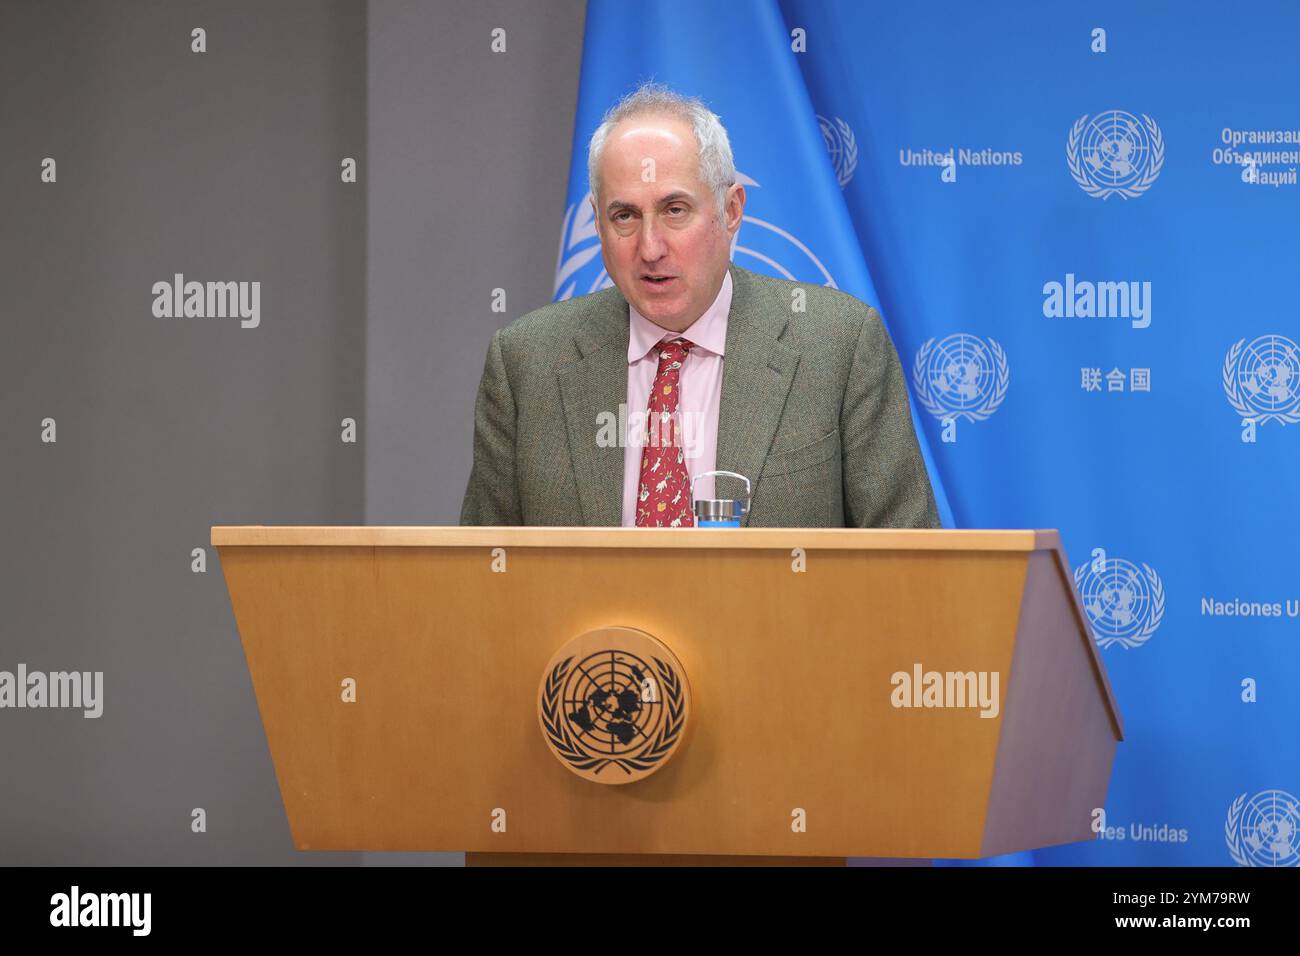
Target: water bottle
x,y
719,512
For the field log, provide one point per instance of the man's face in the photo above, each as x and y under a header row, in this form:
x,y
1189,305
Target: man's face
x,y
657,219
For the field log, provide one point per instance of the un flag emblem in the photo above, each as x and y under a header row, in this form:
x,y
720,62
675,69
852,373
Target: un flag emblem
x,y
961,376
1124,604
1114,152
842,146
1262,379
1264,830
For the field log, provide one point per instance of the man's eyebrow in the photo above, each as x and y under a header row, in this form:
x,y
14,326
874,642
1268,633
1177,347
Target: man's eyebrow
x,y
616,204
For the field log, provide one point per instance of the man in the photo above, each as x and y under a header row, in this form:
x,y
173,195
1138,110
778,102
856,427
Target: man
x,y
703,365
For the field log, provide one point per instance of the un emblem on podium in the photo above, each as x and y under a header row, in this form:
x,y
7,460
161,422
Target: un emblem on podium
x,y
613,705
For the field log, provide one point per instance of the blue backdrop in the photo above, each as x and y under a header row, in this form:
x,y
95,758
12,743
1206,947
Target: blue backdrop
x,y
1080,226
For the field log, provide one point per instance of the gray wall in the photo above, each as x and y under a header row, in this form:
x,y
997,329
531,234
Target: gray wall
x,y
469,157
225,166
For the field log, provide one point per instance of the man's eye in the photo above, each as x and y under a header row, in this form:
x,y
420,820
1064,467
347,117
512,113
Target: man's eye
x,y
678,209
618,216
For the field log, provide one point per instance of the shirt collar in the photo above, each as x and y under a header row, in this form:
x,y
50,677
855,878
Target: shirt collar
x,y
708,332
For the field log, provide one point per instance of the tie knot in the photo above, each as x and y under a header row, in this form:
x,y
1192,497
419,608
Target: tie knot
x,y
673,351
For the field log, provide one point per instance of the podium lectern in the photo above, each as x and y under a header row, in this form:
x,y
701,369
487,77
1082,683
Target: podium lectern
x,y
881,693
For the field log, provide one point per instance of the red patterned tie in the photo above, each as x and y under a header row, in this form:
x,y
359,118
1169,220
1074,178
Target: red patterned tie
x,y
664,494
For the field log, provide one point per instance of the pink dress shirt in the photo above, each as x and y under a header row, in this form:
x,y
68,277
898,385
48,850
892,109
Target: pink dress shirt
x,y
700,383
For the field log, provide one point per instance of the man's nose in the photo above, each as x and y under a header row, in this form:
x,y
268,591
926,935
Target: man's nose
x,y
652,245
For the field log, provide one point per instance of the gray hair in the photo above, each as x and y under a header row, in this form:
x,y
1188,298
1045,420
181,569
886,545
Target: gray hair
x,y
717,168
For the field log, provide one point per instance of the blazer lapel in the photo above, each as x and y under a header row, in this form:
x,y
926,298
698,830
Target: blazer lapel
x,y
757,372
592,387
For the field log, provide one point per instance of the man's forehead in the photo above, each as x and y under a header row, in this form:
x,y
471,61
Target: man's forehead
x,y
654,125
664,139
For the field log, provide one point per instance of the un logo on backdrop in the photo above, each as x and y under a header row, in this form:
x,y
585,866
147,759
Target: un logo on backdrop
x,y
961,376
1262,379
842,146
1114,152
1264,830
1124,604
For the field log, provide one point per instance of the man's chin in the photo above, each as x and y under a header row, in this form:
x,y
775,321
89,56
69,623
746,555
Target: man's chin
x,y
661,313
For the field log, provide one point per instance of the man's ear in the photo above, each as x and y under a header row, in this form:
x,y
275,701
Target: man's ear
x,y
735,207
594,211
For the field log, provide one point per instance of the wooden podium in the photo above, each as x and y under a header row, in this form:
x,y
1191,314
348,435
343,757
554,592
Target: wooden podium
x,y
397,671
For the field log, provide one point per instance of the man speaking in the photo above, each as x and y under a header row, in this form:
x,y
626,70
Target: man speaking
x,y
599,410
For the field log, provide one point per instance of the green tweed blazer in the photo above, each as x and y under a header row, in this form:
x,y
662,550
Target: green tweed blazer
x,y
814,412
